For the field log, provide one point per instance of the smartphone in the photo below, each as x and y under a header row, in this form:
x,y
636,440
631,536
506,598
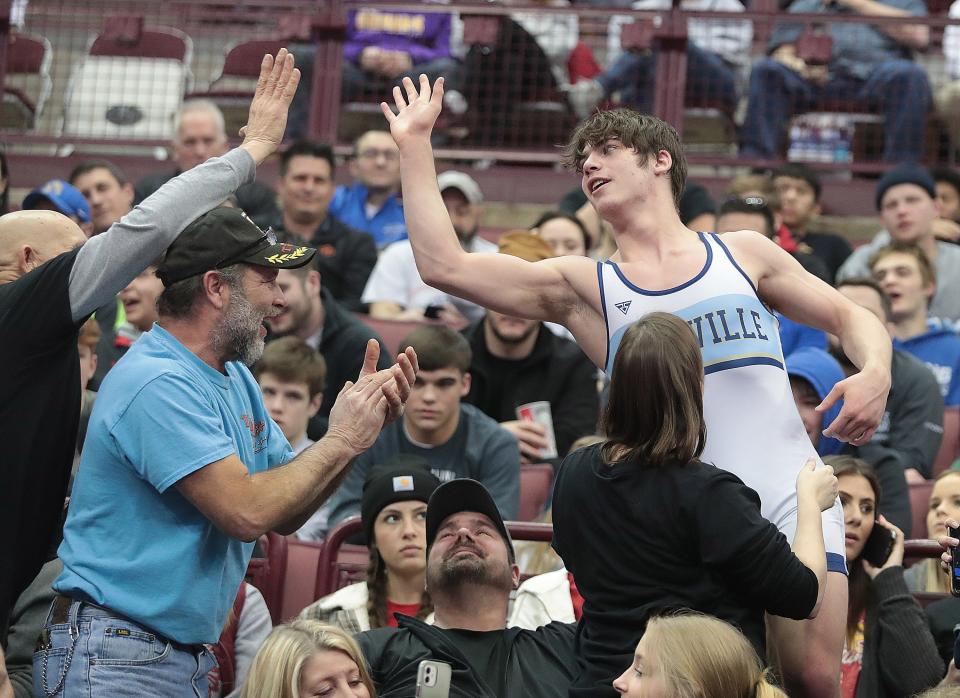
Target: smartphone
x,y
433,679
879,545
954,563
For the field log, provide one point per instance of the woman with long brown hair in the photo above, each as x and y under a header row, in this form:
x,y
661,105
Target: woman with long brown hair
x,y
645,526
889,650
393,509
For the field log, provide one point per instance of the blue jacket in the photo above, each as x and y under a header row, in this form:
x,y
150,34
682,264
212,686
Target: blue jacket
x,y
939,349
386,226
822,371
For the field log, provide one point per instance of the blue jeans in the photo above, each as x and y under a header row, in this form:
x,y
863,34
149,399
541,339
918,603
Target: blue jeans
x,y
898,89
94,652
709,79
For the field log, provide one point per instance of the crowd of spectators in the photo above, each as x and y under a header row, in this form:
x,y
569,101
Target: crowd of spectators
x,y
167,459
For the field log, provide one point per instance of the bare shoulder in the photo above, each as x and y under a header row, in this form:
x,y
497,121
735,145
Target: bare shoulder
x,y
757,254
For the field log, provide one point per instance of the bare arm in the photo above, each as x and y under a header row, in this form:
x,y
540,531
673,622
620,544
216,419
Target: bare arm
x,y
787,287
245,506
107,263
816,492
538,291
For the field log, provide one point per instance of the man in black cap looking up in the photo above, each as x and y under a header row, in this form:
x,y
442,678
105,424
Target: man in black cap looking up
x,y
906,198
181,473
471,570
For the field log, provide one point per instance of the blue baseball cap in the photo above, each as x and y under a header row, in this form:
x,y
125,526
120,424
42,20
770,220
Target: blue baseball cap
x,y
66,197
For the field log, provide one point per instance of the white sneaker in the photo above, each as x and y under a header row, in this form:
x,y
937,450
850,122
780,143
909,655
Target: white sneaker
x,y
584,96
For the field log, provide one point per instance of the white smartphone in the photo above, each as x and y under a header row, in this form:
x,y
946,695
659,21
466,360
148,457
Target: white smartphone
x,y
433,679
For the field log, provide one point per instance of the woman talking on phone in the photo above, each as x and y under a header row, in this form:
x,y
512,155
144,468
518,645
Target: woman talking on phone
x,y
889,652
644,526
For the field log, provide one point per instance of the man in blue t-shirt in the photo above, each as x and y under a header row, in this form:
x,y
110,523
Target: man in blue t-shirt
x,y
372,203
180,472
906,275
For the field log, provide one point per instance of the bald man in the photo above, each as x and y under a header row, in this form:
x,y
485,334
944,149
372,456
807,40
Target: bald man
x,y
51,279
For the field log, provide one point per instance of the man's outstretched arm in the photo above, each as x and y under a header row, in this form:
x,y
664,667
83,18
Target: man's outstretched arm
x,y
538,291
109,261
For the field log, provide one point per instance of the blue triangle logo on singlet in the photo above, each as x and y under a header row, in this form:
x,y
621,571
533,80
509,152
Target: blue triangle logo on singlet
x,y
624,306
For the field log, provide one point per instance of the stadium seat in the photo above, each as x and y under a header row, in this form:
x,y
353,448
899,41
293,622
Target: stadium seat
x,y
392,332
950,445
233,88
919,501
536,481
130,85
299,575
27,82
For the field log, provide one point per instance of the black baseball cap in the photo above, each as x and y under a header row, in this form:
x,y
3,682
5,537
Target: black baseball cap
x,y
226,236
464,494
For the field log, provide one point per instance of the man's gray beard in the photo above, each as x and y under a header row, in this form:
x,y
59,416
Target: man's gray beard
x,y
237,336
449,576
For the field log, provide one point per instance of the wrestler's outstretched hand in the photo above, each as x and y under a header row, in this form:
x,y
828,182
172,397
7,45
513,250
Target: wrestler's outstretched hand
x,y
417,111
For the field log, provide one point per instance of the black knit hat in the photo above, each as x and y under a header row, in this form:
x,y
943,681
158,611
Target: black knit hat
x,y
403,478
226,236
907,173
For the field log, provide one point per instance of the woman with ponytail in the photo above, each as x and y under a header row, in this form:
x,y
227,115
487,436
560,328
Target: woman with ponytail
x,y
889,650
691,655
394,510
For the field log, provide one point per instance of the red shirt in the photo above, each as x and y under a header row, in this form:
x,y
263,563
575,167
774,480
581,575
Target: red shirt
x,y
407,609
575,598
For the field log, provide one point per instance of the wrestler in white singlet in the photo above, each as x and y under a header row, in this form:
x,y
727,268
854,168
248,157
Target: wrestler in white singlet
x,y
753,427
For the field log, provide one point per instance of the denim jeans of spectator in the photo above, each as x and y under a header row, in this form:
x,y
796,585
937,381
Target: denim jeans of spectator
x,y
898,89
93,652
709,79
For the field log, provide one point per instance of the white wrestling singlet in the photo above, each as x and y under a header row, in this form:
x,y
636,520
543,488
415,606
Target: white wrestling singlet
x,y
753,427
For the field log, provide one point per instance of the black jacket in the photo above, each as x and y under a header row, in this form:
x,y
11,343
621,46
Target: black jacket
x,y
256,200
900,658
342,343
557,370
540,664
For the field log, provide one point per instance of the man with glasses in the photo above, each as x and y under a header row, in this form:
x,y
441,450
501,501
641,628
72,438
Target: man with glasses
x,y
371,203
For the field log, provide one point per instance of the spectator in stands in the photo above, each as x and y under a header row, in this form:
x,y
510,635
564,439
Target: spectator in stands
x,y
564,232
307,658
110,196
868,64
51,279
200,135
889,649
57,195
944,503
947,226
372,203
470,575
139,300
947,97
291,375
87,342
755,213
813,373
909,281
312,315
345,257
647,477
248,625
689,654
396,291
906,443
107,191
906,200
182,441
456,439
394,512
799,191
516,362
716,51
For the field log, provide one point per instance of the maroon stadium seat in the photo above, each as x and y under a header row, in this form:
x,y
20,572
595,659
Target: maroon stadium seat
x,y
536,480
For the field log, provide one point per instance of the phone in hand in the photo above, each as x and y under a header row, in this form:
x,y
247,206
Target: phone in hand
x,y
879,545
954,563
433,679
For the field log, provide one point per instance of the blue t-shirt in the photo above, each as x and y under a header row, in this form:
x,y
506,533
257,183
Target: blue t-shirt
x,y
387,225
939,349
132,542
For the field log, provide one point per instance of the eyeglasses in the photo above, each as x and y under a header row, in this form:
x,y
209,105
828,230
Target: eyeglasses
x,y
755,202
269,236
374,154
